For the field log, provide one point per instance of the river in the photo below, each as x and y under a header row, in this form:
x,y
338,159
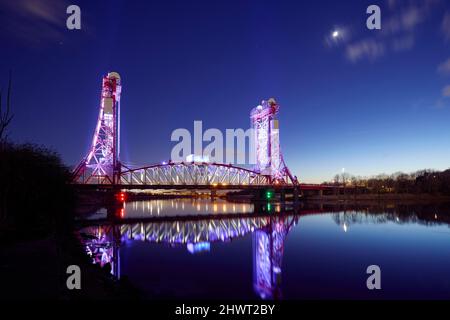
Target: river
x,y
198,248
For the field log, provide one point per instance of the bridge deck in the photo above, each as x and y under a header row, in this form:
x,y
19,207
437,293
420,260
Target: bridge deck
x,y
203,187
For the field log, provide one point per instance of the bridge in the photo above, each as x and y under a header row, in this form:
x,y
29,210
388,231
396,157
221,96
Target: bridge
x,y
103,169
102,166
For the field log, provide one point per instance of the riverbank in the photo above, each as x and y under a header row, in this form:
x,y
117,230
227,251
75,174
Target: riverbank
x,y
377,198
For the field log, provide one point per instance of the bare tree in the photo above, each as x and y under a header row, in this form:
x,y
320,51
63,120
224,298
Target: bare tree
x,y
5,113
337,178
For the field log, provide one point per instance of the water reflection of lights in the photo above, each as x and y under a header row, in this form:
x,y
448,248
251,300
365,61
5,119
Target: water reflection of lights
x,y
199,247
173,207
345,227
198,235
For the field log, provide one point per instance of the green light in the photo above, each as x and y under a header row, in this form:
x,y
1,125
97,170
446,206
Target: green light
x,y
269,207
269,194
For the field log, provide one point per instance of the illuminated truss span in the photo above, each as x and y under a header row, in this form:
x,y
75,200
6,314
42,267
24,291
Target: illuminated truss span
x,y
196,174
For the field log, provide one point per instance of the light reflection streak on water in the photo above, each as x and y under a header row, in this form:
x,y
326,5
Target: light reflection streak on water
x,y
149,208
198,237
269,234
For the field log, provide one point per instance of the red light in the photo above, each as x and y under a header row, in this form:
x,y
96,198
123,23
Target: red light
x,y
121,197
122,213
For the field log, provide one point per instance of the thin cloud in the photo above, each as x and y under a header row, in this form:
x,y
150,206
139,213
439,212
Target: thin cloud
x,y
392,4
403,44
35,23
446,91
444,68
398,30
407,20
368,48
446,26
441,104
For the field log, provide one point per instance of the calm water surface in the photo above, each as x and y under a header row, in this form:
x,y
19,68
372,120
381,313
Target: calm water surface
x,y
232,252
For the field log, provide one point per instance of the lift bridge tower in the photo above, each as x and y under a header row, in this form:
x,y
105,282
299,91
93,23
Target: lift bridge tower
x,y
268,156
102,165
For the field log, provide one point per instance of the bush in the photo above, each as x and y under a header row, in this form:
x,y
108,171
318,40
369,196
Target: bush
x,y
34,191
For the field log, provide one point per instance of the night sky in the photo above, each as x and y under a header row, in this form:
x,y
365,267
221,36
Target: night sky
x,y
369,101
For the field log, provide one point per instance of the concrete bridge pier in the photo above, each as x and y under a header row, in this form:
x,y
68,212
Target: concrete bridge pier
x,y
213,194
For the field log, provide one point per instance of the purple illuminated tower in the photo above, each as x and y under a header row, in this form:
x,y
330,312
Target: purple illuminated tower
x,y
268,249
269,160
102,164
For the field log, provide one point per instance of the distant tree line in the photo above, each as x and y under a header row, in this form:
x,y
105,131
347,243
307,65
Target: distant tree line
x,y
422,181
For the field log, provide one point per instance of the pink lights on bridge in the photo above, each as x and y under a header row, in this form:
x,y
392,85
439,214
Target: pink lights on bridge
x,y
102,160
269,160
102,165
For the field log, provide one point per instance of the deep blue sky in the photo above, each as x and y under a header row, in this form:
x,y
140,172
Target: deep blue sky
x,y
369,101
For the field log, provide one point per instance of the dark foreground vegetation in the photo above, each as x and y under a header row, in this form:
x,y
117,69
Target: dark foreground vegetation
x,y
37,235
35,197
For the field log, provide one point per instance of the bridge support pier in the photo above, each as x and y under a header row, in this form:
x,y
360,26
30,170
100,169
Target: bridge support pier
x,y
295,196
282,196
213,194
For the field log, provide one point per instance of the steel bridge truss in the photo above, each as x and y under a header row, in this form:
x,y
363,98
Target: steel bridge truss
x,y
194,174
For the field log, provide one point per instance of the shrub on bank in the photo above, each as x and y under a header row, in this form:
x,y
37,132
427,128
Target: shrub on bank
x,y
34,192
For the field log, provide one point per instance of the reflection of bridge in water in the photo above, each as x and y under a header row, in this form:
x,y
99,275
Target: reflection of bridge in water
x,y
268,232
